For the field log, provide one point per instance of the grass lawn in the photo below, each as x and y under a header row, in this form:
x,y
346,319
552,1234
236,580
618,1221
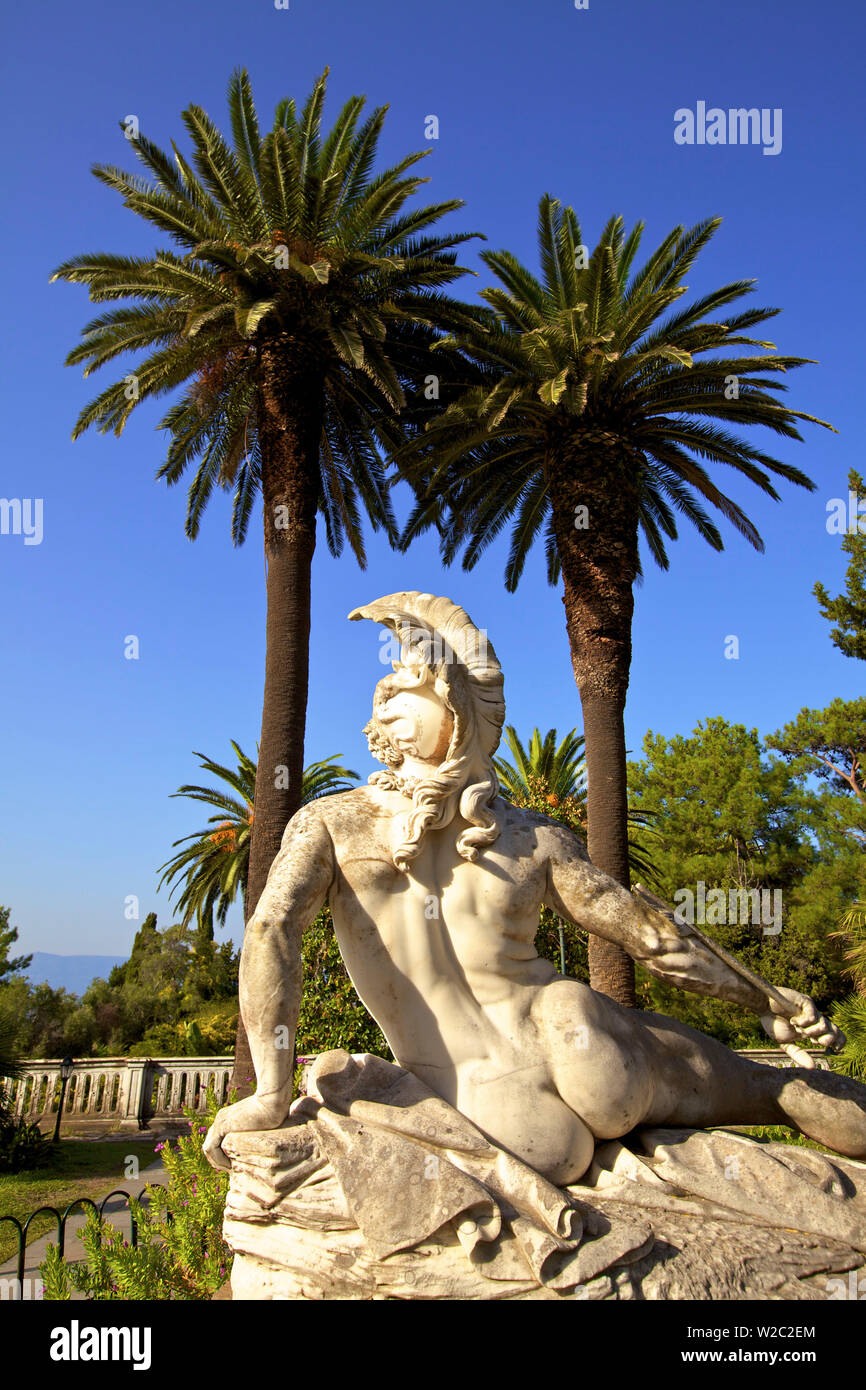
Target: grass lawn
x,y
78,1168
779,1134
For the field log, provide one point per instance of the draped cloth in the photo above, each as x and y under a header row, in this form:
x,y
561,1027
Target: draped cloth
x,y
376,1187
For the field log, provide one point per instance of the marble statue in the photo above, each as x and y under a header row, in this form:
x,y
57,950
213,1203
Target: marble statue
x,y
434,883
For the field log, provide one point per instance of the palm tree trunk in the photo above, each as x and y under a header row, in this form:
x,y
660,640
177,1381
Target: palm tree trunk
x,y
611,969
289,429
599,566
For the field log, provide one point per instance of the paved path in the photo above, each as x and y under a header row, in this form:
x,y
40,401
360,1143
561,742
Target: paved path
x,y
117,1211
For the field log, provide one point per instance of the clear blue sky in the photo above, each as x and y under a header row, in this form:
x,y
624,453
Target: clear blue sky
x,y
530,98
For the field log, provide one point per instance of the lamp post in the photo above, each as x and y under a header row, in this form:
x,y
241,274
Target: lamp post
x,y
66,1067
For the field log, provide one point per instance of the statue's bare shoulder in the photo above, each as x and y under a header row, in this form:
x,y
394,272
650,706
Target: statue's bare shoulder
x,y
352,816
552,841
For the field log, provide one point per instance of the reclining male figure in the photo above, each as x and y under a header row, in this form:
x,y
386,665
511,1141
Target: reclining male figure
x,y
435,883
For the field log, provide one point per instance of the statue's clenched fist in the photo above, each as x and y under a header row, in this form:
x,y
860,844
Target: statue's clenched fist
x,y
256,1112
803,1024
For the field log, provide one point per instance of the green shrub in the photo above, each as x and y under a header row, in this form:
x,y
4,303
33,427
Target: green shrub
x,y
180,1252
22,1145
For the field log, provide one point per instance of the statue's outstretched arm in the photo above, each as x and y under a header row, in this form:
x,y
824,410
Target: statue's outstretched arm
x,y
589,898
674,952
270,974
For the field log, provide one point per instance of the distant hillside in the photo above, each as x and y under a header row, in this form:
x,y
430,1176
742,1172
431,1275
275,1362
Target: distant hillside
x,y
73,973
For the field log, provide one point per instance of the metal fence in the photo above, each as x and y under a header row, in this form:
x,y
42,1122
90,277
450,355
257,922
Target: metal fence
x,y
23,1227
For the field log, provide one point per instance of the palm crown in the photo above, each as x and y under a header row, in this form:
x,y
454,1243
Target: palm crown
x,y
561,767
285,242
579,358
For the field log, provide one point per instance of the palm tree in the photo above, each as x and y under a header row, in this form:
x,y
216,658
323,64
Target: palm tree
x,y
562,767
592,414
296,311
214,867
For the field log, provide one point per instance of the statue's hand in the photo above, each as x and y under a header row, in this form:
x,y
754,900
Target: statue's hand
x,y
255,1112
803,1023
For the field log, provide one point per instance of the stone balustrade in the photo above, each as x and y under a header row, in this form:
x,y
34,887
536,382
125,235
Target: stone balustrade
x,y
119,1092
776,1057
130,1092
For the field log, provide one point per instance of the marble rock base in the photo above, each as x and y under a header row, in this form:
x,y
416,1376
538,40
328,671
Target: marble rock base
x,y
645,1235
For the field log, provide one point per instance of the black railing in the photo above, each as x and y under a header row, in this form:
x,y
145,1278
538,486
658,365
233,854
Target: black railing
x,y
24,1227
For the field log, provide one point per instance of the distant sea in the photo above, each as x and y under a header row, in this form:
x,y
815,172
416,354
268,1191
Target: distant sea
x,y
72,973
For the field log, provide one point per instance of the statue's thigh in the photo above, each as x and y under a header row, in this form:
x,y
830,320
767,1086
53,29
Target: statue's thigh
x,y
599,1056
522,1112
700,1081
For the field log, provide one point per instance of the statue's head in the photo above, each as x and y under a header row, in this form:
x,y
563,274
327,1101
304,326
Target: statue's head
x,y
437,720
